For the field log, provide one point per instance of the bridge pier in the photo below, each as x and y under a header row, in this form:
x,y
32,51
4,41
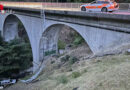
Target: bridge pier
x,y
49,41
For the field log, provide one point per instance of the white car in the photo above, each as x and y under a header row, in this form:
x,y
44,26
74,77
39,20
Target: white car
x,y
100,5
1,87
7,82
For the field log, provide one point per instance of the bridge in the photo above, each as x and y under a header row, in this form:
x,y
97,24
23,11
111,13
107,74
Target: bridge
x,y
103,32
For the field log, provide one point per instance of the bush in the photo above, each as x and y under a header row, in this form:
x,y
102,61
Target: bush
x,y
61,44
52,62
62,79
65,59
76,74
50,52
85,70
15,56
72,60
78,39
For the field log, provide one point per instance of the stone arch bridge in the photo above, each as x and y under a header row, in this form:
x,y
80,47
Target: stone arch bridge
x,y
101,31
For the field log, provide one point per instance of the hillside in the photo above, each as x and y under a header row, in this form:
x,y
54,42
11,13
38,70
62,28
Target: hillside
x,y
75,69
110,72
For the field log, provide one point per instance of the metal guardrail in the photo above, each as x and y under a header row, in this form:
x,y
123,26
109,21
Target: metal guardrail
x,y
54,6
42,4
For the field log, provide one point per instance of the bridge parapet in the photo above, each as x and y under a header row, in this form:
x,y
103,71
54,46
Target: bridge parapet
x,y
54,6
110,21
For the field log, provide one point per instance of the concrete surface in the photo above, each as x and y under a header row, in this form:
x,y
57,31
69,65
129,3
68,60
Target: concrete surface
x,y
101,31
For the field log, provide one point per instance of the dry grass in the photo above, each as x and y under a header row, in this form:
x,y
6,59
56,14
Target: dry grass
x,y
102,73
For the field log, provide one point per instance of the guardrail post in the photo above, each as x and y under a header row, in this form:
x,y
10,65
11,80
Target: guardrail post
x,y
129,7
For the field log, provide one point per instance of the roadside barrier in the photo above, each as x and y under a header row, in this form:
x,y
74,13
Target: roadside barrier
x,y
50,5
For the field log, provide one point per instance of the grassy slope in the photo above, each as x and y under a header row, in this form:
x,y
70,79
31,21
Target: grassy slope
x,y
102,73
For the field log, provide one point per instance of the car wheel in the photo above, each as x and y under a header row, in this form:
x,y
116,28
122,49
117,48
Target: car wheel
x,y
83,9
104,9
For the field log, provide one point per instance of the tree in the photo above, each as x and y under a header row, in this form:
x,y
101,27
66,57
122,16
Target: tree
x,y
15,56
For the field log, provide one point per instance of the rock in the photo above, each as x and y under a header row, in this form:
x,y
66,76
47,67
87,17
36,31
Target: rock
x,y
75,88
61,51
128,50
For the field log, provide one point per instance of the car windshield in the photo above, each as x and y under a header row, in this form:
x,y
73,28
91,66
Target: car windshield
x,y
93,2
102,2
112,0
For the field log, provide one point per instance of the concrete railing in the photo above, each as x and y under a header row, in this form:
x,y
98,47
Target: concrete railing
x,y
49,5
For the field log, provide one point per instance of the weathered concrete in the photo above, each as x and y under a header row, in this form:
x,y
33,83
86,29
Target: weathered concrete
x,y
34,29
101,31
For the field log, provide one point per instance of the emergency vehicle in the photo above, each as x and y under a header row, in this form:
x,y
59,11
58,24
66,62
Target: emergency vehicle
x,y
100,5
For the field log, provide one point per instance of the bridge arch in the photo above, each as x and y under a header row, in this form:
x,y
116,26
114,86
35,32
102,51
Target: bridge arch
x,y
10,27
50,36
11,30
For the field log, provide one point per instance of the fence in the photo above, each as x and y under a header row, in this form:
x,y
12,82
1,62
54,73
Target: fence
x,y
54,6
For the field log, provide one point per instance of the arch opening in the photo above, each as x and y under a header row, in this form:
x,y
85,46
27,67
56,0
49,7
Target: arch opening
x,y
62,39
19,48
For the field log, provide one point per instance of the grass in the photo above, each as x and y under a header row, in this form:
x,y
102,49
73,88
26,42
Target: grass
x,y
76,74
102,73
105,73
62,79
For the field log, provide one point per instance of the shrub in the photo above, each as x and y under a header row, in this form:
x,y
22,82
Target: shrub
x,y
61,44
66,58
77,39
76,74
47,53
63,79
72,60
85,70
15,56
52,62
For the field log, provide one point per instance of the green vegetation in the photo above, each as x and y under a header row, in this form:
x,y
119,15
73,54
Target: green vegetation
x,y
65,58
62,79
100,73
61,44
78,40
15,56
52,62
70,59
76,74
47,53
